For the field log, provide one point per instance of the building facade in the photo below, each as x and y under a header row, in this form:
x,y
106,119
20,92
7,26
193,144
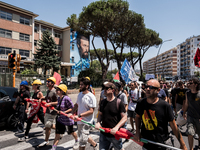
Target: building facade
x,y
185,55
164,65
20,31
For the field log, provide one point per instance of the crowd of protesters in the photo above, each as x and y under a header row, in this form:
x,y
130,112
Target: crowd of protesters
x,y
150,108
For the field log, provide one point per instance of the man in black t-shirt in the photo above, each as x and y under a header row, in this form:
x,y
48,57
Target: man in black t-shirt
x,y
112,115
180,96
154,125
192,105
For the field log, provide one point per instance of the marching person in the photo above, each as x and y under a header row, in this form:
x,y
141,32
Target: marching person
x,y
192,107
152,118
50,115
162,93
36,95
85,104
134,96
21,105
112,115
65,105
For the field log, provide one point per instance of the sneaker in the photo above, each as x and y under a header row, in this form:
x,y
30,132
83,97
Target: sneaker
x,y
43,144
23,139
126,140
196,136
76,145
96,147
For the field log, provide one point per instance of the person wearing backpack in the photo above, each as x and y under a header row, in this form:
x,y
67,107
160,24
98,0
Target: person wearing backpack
x,y
134,95
112,115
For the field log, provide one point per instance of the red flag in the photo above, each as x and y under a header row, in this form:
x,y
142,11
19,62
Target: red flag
x,y
197,58
116,78
57,77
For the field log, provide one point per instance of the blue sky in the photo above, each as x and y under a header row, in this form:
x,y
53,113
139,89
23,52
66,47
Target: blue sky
x,y
172,19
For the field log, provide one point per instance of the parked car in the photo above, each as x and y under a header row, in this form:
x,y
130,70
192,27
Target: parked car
x,y
8,96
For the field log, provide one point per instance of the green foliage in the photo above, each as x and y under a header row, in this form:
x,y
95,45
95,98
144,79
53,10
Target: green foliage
x,y
94,76
46,56
95,64
28,72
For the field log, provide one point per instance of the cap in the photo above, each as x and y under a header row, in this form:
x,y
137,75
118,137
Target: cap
x,y
117,85
109,85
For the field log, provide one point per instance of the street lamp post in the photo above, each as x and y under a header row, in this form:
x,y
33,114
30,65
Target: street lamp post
x,y
158,54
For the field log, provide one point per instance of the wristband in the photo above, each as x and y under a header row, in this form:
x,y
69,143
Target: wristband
x,y
79,115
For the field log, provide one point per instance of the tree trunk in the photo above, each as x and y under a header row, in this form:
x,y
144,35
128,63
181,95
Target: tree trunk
x,y
104,71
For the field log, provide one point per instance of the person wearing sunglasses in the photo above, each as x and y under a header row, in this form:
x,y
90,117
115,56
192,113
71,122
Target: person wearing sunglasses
x,y
192,107
152,118
112,115
50,116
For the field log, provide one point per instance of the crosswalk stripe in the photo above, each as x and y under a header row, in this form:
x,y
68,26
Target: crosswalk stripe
x,y
12,135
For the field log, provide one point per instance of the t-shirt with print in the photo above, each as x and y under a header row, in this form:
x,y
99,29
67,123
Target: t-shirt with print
x,y
111,115
65,104
85,102
24,94
180,96
161,113
51,97
133,95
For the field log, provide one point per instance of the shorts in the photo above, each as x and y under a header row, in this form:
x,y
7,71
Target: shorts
x,y
49,120
61,128
193,126
83,134
131,113
104,142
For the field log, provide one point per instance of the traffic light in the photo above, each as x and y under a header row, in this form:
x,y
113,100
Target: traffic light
x,y
19,58
11,60
18,63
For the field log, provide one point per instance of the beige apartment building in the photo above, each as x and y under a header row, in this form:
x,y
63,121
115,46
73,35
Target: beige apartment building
x,y
166,64
20,32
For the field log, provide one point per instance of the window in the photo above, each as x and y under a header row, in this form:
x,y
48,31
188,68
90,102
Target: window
x,y
5,50
73,46
36,29
44,29
59,47
24,37
24,52
58,35
72,71
24,21
35,42
6,15
5,33
198,39
73,59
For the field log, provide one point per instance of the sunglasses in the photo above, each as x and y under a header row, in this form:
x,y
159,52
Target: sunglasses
x,y
190,83
48,81
151,87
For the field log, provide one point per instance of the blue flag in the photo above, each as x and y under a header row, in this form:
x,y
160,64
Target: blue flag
x,y
127,72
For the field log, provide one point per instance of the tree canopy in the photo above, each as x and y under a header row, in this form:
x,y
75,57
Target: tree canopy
x,y
112,21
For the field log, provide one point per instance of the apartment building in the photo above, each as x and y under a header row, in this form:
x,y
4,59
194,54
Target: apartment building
x,y
166,64
20,31
185,55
